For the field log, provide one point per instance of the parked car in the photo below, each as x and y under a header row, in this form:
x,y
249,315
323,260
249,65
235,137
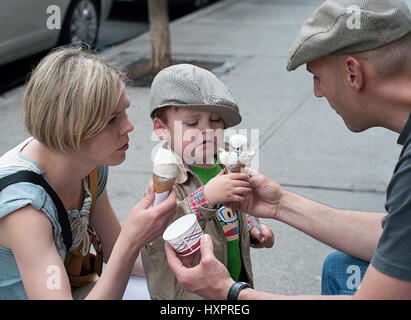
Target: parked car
x,y
194,3
31,26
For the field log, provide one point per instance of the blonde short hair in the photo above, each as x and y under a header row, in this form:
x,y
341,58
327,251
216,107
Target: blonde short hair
x,y
70,96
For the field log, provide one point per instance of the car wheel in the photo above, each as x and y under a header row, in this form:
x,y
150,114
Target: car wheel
x,y
81,23
200,3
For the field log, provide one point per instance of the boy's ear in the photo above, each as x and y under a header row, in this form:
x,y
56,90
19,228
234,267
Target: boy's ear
x,y
160,129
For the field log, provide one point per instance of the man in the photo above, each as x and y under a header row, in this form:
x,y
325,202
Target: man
x,y
359,53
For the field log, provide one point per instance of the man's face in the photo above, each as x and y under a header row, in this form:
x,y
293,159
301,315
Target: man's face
x,y
328,75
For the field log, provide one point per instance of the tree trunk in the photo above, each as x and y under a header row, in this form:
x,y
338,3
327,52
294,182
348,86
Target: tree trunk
x,y
160,35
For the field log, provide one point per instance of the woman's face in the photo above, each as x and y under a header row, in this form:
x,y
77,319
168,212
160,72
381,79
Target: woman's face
x,y
110,145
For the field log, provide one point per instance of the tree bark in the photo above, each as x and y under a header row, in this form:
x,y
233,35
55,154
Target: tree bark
x,y
160,35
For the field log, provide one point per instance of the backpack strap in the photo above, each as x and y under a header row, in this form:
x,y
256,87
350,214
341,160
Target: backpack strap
x,y
32,177
92,181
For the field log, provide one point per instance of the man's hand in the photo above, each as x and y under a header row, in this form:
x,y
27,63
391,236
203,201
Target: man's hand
x,y
209,278
265,197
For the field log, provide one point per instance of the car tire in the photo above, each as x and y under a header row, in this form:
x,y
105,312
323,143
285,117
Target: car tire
x,y
197,4
81,23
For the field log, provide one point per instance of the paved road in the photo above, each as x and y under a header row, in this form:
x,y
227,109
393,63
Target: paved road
x,y
305,145
126,21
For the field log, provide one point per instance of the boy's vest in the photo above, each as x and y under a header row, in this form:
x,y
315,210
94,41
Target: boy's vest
x,y
161,282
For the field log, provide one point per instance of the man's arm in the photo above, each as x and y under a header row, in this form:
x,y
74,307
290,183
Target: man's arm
x,y
252,294
211,280
377,285
353,232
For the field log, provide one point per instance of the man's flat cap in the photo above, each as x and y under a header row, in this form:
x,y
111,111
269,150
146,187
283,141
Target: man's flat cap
x,y
348,27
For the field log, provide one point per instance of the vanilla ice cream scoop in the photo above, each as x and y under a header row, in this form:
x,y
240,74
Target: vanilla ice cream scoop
x,y
239,153
165,164
246,156
238,142
228,158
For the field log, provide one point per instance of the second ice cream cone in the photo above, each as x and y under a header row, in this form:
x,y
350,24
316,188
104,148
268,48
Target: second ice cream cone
x,y
238,168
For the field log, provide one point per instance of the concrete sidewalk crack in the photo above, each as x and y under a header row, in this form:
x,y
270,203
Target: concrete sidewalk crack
x,y
277,125
341,189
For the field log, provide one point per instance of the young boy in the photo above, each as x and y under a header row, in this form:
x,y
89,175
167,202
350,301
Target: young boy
x,y
190,108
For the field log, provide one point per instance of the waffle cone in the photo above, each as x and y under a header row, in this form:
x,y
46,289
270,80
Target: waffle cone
x,y
238,168
162,184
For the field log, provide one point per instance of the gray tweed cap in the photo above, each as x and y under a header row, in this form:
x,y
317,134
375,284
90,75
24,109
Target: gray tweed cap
x,y
348,27
191,87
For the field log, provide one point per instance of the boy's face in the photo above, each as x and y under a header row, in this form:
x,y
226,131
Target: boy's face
x,y
194,135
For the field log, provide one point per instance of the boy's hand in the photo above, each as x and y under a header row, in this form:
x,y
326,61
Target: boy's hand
x,y
266,239
232,187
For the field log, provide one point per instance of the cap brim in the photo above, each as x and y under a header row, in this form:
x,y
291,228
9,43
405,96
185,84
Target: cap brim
x,y
230,117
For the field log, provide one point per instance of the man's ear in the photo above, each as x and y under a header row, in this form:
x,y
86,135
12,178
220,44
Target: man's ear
x,y
161,130
354,73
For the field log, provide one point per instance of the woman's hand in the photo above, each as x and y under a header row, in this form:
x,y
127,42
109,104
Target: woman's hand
x,y
232,187
143,224
146,223
265,197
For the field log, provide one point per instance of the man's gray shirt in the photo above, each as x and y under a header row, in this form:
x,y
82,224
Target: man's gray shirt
x,y
393,254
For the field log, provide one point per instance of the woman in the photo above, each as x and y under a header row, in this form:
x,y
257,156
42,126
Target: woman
x,y
74,107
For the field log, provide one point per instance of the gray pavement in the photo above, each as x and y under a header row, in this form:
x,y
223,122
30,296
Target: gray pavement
x,y
305,145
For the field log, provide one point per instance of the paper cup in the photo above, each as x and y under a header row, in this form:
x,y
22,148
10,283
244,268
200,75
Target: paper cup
x,y
184,235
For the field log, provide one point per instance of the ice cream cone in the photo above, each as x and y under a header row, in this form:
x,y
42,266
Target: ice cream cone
x,y
161,184
165,170
238,168
236,158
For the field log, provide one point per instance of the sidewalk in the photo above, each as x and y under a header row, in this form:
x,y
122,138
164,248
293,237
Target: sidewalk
x,y
305,145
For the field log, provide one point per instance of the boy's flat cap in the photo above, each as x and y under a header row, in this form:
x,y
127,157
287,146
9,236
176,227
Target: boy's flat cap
x,y
348,27
188,86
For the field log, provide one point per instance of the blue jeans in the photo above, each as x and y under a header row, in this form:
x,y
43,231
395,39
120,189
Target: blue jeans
x,y
342,274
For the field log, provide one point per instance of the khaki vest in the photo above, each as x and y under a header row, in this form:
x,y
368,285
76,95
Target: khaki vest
x,y
161,281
